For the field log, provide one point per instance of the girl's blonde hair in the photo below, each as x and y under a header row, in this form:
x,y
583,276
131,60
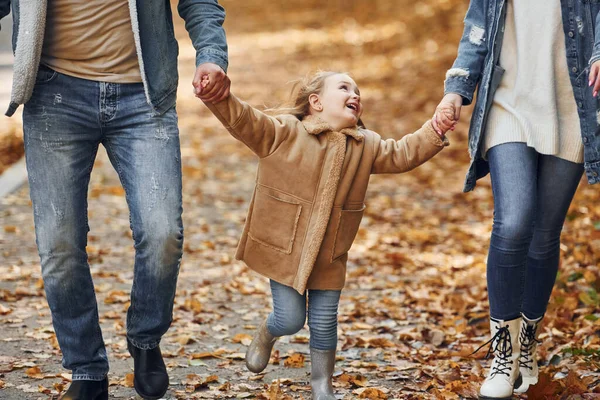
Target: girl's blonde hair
x,y
300,107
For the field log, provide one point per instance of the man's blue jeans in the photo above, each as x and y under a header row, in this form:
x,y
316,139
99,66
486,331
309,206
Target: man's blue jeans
x,y
289,314
532,194
64,123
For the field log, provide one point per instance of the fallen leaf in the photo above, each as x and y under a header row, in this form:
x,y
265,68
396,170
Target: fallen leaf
x,y
242,338
128,381
295,360
34,373
371,393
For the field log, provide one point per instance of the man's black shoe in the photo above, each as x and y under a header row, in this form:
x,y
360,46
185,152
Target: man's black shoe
x,y
150,377
87,390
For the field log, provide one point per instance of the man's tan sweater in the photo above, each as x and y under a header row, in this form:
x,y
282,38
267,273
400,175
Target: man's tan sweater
x,y
91,40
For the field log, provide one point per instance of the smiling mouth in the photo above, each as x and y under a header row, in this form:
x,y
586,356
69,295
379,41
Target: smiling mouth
x,y
352,107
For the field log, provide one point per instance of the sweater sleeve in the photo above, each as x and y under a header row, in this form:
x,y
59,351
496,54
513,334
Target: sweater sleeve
x,y
397,156
262,133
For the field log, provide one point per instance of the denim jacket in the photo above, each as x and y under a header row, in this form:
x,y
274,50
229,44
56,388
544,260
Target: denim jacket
x,y
154,36
477,67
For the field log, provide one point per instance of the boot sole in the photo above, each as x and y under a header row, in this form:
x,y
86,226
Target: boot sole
x,y
524,386
517,383
148,397
102,396
135,385
253,368
256,370
259,369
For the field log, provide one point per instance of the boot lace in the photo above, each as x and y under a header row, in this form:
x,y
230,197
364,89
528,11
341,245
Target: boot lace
x,y
528,343
501,346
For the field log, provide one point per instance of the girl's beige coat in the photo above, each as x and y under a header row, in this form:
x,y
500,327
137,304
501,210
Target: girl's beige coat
x,y
310,190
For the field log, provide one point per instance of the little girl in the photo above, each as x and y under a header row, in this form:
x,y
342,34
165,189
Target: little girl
x,y
307,205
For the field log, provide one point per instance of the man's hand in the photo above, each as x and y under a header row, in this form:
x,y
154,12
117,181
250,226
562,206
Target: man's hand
x,y
211,83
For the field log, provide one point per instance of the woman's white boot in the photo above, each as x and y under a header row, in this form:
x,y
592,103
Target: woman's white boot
x,y
504,374
528,347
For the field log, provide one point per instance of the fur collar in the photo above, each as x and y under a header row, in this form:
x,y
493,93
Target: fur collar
x,y
315,125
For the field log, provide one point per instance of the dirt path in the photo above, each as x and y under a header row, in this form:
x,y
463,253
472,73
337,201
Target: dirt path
x,y
415,302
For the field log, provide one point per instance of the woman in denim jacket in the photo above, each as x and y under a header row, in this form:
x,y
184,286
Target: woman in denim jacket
x,y
535,129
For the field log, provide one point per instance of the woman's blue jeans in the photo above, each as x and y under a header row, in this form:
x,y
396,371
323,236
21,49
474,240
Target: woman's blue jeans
x,y
289,314
64,122
532,194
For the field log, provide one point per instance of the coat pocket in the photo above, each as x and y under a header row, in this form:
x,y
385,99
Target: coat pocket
x,y
274,220
348,222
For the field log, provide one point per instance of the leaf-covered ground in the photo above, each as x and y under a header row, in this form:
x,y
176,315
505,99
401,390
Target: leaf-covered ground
x,y
415,305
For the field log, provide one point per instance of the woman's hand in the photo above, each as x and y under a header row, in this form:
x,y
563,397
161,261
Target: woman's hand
x,y
595,78
447,113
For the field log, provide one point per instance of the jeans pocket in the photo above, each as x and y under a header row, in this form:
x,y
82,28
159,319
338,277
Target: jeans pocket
x,y
274,220
348,222
45,75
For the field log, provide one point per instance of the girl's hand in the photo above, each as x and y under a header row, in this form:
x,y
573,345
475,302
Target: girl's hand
x,y
447,113
595,78
204,81
211,83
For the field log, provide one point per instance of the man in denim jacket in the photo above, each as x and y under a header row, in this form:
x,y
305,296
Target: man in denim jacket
x,y
93,73
476,67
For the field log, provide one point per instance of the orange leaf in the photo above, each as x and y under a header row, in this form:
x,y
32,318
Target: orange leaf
x,y
215,354
574,384
4,310
296,360
372,393
34,373
128,381
242,338
546,388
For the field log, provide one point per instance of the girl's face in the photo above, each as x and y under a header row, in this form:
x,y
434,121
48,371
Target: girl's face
x,y
338,103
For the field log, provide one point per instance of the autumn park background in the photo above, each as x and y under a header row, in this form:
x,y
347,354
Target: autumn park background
x,y
415,304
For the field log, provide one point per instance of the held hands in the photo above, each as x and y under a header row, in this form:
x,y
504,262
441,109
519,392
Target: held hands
x,y
211,83
595,77
447,113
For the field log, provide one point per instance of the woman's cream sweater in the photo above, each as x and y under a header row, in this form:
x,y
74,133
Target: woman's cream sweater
x,y
534,103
